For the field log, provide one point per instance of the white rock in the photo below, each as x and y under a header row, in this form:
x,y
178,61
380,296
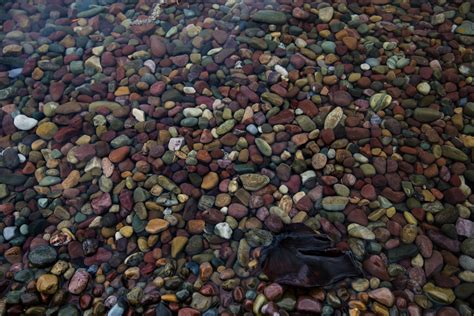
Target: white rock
x,y
192,112
9,232
24,123
151,65
189,90
281,70
333,118
175,143
223,230
138,114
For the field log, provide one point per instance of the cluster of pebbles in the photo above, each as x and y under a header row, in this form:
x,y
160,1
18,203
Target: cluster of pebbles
x,y
148,154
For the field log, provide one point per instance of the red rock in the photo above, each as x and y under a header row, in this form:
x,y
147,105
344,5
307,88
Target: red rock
x,y
356,133
187,311
454,196
237,210
157,46
283,117
119,154
368,192
425,245
107,59
376,267
434,263
143,26
56,90
157,88
340,98
102,203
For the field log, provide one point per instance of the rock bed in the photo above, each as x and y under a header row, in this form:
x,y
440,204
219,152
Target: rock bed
x,y
149,153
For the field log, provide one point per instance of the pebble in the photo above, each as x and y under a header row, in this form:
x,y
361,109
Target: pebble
x,y
24,123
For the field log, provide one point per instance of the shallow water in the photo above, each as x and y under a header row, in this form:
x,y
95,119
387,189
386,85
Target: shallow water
x,y
151,153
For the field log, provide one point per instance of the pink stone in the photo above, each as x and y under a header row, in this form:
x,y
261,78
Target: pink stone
x,y
273,292
102,203
78,281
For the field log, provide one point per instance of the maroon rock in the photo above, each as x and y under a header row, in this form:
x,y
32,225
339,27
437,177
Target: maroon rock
x,y
454,196
434,263
368,192
56,90
273,292
283,117
340,98
356,133
237,211
308,305
108,59
102,203
157,46
425,245
444,242
376,267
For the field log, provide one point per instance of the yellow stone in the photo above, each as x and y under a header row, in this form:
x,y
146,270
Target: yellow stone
x,y
390,212
156,225
47,284
71,180
258,303
46,130
210,180
467,140
126,231
177,244
428,196
121,91
169,298
84,139
439,294
379,309
410,218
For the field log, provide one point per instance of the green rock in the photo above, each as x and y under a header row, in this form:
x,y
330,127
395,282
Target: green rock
x,y
77,67
263,147
254,181
270,17
258,43
135,296
439,294
328,47
93,11
68,310
112,106
466,28
225,127
380,101
402,252
469,109
426,115
42,256
273,98
334,203
171,95
306,123
49,180
368,170
3,191
7,93
453,153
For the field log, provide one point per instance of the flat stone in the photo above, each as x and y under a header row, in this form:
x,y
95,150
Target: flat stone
x,y
334,203
253,181
269,16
